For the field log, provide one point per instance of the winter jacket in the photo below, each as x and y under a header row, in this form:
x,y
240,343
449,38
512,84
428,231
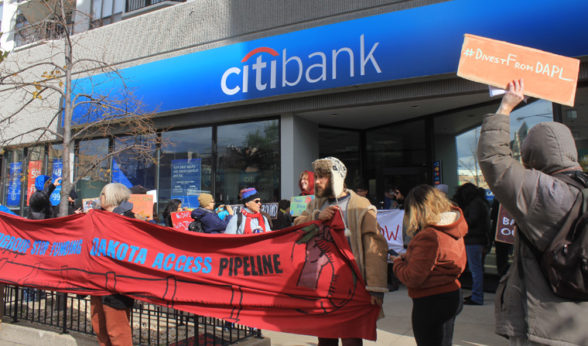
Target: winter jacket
x,y
118,301
367,243
211,223
435,257
40,204
525,306
477,216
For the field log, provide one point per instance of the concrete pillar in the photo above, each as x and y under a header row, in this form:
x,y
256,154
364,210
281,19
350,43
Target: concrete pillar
x,y
298,148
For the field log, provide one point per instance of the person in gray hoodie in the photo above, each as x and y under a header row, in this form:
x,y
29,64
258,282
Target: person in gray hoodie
x,y
527,311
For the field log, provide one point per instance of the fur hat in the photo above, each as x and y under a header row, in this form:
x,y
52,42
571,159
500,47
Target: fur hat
x,y
335,168
205,199
248,194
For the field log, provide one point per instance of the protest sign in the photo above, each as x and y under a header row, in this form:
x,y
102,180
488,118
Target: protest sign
x,y
546,75
298,204
505,227
268,281
142,206
181,219
90,203
390,224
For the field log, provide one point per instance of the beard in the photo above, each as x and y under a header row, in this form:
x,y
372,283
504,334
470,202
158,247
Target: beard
x,y
326,192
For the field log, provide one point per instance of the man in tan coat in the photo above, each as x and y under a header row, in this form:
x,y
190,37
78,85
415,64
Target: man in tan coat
x,y
361,229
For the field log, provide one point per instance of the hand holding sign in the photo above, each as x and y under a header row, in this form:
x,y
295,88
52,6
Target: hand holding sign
x,y
514,95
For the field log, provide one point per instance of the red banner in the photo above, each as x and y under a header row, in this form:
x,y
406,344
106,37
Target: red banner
x,y
302,279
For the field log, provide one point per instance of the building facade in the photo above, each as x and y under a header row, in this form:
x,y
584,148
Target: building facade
x,y
249,93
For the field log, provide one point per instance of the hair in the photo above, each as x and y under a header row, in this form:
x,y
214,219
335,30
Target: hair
x,y
466,193
423,207
171,207
115,194
284,204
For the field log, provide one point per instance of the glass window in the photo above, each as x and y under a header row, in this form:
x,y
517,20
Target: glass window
x,y
92,169
248,155
13,185
185,168
344,145
576,119
135,164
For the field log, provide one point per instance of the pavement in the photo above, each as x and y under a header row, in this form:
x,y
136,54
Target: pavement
x,y
473,326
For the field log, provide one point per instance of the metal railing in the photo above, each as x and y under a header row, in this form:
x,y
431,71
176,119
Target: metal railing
x,y
151,324
133,5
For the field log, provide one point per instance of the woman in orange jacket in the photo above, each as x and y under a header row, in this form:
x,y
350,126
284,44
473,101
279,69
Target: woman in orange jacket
x,y
433,262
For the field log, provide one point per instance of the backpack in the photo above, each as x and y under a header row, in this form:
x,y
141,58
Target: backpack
x,y
565,261
196,226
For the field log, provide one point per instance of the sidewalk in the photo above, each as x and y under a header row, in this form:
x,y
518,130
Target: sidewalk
x,y
474,325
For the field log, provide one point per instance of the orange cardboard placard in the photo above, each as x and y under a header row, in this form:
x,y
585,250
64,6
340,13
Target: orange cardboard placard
x,y
142,206
546,75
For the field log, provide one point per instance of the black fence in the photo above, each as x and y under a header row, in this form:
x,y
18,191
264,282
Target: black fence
x,y
133,5
151,324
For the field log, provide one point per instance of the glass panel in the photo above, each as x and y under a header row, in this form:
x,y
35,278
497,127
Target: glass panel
x,y
344,145
13,187
185,167
35,168
522,119
92,168
135,165
577,120
248,155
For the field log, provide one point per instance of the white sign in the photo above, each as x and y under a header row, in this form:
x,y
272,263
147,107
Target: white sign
x,y
390,222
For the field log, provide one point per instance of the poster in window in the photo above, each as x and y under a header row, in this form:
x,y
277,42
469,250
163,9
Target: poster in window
x,y
13,198
186,181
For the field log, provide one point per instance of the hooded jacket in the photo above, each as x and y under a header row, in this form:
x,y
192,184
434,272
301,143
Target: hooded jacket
x,y
435,257
211,223
525,306
310,189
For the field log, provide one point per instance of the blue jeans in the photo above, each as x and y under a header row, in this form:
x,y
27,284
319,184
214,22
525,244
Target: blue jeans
x,y
474,253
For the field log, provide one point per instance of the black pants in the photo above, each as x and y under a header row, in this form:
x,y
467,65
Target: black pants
x,y
433,318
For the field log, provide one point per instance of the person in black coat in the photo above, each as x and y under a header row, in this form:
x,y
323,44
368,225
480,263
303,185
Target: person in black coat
x,y
472,200
39,203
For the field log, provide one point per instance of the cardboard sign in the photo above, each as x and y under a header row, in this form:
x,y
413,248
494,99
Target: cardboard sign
x,y
302,279
505,227
142,206
298,204
546,75
181,219
390,225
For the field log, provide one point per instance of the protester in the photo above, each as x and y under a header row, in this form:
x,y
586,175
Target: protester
x,y
306,183
527,310
251,219
367,244
39,202
205,214
174,205
284,218
432,264
393,198
472,200
111,314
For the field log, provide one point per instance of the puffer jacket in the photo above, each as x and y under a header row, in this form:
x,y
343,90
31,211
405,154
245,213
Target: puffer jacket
x,y
211,223
525,306
435,258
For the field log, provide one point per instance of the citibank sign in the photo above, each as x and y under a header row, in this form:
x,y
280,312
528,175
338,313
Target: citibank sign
x,y
264,62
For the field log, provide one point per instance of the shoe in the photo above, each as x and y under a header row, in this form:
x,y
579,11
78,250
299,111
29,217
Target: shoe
x,y
469,301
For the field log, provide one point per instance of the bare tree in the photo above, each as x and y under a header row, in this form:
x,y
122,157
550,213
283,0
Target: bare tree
x,y
39,80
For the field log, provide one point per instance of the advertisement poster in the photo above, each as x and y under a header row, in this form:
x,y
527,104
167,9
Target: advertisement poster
x,y
56,173
186,181
33,172
390,223
14,186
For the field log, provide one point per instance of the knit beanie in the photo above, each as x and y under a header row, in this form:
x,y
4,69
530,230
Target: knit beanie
x,y
40,182
248,194
335,168
205,199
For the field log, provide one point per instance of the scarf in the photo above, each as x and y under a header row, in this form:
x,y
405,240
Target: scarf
x,y
248,217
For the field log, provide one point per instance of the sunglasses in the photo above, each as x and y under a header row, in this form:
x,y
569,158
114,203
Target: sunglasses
x,y
257,201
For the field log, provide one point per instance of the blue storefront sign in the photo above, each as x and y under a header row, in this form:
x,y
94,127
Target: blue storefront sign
x,y
186,177
14,186
56,173
416,42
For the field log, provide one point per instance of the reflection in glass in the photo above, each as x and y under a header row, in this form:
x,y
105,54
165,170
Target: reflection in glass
x,y
248,155
92,169
135,162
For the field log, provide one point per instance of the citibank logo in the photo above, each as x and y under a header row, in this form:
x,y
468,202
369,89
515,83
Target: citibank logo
x,y
316,67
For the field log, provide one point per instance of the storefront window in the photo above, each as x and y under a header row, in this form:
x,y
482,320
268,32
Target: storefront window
x,y
344,145
135,164
14,183
248,155
576,119
185,168
36,156
92,167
